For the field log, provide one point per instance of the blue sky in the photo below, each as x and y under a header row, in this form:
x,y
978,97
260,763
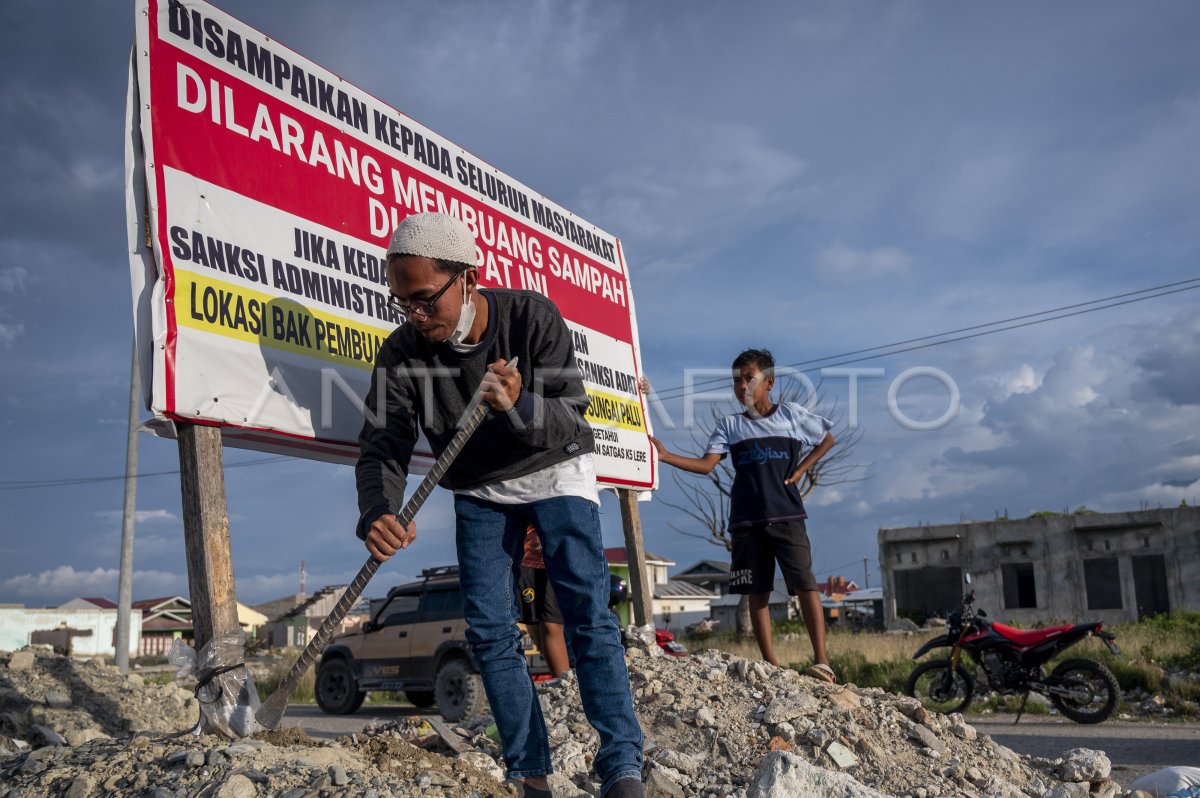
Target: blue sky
x,y
815,178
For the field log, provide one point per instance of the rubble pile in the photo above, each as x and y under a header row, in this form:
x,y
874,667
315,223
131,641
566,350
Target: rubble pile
x,y
46,699
718,725
79,728
288,766
715,726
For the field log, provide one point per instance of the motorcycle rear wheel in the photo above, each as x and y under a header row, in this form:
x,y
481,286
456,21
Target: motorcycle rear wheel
x,y
1090,678
939,689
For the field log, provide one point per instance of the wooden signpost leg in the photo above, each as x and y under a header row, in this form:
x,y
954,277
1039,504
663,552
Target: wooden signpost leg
x,y
635,555
206,541
206,533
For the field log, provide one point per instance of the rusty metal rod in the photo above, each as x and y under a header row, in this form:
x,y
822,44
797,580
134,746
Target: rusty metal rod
x,y
271,712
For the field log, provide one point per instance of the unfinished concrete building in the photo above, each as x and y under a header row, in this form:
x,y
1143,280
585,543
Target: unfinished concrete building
x,y
1112,567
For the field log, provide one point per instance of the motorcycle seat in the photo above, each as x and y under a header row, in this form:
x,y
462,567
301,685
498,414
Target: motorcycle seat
x,y
1031,637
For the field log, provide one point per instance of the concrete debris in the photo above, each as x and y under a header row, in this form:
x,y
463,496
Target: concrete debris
x,y
784,775
659,784
716,726
925,736
1069,790
842,756
1084,764
960,728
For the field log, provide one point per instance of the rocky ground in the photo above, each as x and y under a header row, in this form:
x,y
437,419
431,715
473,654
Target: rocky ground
x,y
715,726
1178,681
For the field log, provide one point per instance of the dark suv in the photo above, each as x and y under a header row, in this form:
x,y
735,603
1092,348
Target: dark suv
x,y
415,643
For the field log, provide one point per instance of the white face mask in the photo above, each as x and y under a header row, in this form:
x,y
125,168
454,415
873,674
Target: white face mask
x,y
466,317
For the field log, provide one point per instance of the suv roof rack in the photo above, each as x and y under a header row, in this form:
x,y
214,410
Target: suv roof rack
x,y
440,570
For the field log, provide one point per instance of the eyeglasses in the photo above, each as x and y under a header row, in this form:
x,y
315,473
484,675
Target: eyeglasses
x,y
422,307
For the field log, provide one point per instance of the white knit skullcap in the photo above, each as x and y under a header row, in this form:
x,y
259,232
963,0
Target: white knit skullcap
x,y
433,235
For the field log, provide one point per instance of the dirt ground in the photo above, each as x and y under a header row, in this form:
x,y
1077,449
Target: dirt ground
x,y
716,726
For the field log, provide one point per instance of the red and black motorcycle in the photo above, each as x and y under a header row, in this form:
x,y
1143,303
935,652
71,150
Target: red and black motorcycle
x,y
1081,689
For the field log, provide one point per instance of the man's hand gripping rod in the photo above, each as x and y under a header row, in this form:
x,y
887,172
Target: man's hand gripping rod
x,y
271,712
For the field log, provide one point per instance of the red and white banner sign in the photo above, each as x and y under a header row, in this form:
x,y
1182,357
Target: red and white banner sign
x,y
262,190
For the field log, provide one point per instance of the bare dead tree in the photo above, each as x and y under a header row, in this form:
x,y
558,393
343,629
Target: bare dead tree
x,y
706,497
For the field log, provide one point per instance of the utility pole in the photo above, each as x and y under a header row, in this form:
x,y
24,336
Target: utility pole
x,y
866,575
125,577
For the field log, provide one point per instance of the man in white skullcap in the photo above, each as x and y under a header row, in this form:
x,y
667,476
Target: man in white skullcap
x,y
529,463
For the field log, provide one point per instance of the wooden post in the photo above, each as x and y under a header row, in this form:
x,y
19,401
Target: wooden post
x,y
209,562
635,555
206,533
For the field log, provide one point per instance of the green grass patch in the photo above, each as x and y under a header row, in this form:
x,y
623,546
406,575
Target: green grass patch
x,y
1179,634
304,692
1133,675
853,667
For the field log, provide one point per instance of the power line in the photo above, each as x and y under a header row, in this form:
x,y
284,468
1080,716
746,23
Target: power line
x,y
1004,329
29,484
682,390
1090,306
1138,296
833,570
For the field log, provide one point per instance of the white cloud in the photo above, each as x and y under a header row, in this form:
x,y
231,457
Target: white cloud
x,y
535,50
1023,379
1170,363
1189,463
1073,382
1154,495
140,516
846,265
825,496
705,188
1079,435
10,333
257,588
65,582
12,280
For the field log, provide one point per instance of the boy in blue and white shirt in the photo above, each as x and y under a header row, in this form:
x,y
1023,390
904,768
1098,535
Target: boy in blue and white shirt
x,y
767,443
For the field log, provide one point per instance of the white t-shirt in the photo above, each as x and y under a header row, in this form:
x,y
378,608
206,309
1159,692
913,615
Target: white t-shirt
x,y
574,477
764,451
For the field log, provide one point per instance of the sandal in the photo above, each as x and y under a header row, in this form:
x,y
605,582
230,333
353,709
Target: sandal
x,y
822,672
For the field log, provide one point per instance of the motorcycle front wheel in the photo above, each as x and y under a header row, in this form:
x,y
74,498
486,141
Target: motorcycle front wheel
x,y
1094,691
938,688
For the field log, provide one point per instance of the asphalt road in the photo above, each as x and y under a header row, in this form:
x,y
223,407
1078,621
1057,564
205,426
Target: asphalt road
x,y
1134,747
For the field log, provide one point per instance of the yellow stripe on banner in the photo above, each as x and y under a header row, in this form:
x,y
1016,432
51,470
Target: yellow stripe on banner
x,y
607,410
238,312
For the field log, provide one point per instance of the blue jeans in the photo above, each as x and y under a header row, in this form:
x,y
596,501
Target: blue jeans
x,y
490,539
